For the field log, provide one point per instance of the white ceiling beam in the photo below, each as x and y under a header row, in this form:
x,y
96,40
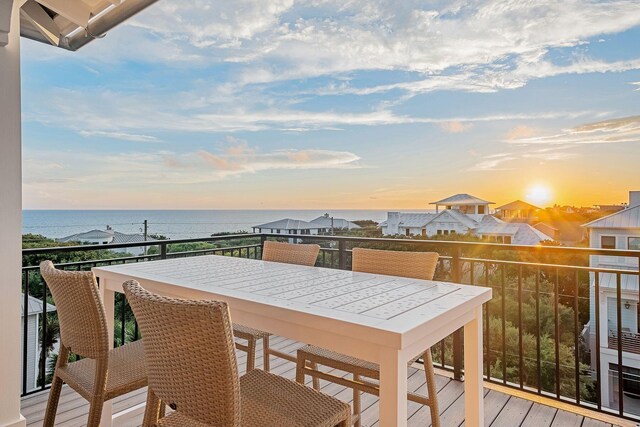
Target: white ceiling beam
x,y
115,2
38,17
75,11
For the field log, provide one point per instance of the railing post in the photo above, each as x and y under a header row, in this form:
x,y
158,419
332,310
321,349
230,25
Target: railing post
x,y
342,254
163,250
456,277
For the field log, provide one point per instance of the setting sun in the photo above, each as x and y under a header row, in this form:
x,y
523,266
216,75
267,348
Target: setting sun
x,y
539,194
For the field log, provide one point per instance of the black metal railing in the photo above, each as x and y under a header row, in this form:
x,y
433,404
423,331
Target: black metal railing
x,y
540,332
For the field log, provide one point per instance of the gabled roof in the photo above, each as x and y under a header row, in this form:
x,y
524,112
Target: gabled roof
x,y
326,222
129,238
521,233
465,220
517,205
461,199
413,220
35,306
87,235
290,224
627,218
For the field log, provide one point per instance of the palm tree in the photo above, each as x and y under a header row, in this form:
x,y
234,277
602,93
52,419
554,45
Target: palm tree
x,y
48,341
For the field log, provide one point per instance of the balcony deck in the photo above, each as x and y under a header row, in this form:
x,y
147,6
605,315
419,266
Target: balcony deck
x,y
501,409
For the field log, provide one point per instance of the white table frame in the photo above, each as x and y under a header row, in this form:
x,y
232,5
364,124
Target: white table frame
x,y
391,343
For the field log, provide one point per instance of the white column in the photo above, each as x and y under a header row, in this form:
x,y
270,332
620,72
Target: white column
x,y
10,216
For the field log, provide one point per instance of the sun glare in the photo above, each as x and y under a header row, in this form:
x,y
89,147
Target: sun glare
x,y
539,194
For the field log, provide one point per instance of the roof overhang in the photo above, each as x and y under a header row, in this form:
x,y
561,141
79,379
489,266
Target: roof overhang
x,y
71,24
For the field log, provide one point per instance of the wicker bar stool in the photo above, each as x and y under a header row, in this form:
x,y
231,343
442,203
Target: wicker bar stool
x,y
102,374
192,367
417,265
287,253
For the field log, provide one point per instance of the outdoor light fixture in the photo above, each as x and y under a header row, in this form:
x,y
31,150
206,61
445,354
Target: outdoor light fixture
x,y
627,305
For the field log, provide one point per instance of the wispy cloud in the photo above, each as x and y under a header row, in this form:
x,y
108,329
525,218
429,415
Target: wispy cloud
x,y
120,170
636,84
120,135
626,129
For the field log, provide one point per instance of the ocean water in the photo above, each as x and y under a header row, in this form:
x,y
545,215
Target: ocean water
x,y
175,224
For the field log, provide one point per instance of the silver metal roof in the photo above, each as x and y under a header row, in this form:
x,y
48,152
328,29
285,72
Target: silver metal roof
x,y
35,306
290,224
461,199
627,218
326,222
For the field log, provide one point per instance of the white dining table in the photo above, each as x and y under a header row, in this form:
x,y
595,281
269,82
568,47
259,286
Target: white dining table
x,y
383,319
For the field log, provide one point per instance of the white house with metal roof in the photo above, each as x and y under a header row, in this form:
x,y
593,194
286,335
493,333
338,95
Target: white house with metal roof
x,y
109,236
335,223
462,214
33,311
620,230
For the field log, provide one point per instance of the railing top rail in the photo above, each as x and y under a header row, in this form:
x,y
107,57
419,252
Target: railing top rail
x,y
464,245
38,251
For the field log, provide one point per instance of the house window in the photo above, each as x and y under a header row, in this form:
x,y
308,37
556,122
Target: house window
x,y
452,231
630,379
481,210
445,232
439,232
424,231
634,243
608,242
407,232
278,231
507,240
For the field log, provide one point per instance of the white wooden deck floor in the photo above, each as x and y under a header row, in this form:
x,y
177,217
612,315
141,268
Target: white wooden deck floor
x,y
501,410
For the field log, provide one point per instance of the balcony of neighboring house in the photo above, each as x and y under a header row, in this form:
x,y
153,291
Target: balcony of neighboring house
x,y
539,364
630,341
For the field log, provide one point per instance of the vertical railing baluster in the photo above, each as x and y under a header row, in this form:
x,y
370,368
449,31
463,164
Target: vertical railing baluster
x,y
619,341
538,350
576,335
520,344
504,325
456,275
25,329
488,322
43,360
342,255
123,319
556,317
596,304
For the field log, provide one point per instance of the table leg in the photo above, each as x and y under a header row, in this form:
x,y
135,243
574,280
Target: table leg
x,y
108,299
473,393
393,390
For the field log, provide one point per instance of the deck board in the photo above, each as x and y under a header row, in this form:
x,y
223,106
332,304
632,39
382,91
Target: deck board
x,y
500,409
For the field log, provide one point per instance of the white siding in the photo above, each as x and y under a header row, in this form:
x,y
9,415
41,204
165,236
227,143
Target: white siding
x,y
629,316
33,350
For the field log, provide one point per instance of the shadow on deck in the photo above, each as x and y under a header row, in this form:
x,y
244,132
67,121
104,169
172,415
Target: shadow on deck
x,y
501,409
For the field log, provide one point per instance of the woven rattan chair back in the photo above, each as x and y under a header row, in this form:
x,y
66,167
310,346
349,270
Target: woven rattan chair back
x,y
190,356
290,253
414,265
83,325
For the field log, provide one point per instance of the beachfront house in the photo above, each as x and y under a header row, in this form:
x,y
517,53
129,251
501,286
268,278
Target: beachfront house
x,y
462,214
620,230
107,237
518,210
31,360
332,223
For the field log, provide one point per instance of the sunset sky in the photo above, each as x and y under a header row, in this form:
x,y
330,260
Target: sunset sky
x,y
338,104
